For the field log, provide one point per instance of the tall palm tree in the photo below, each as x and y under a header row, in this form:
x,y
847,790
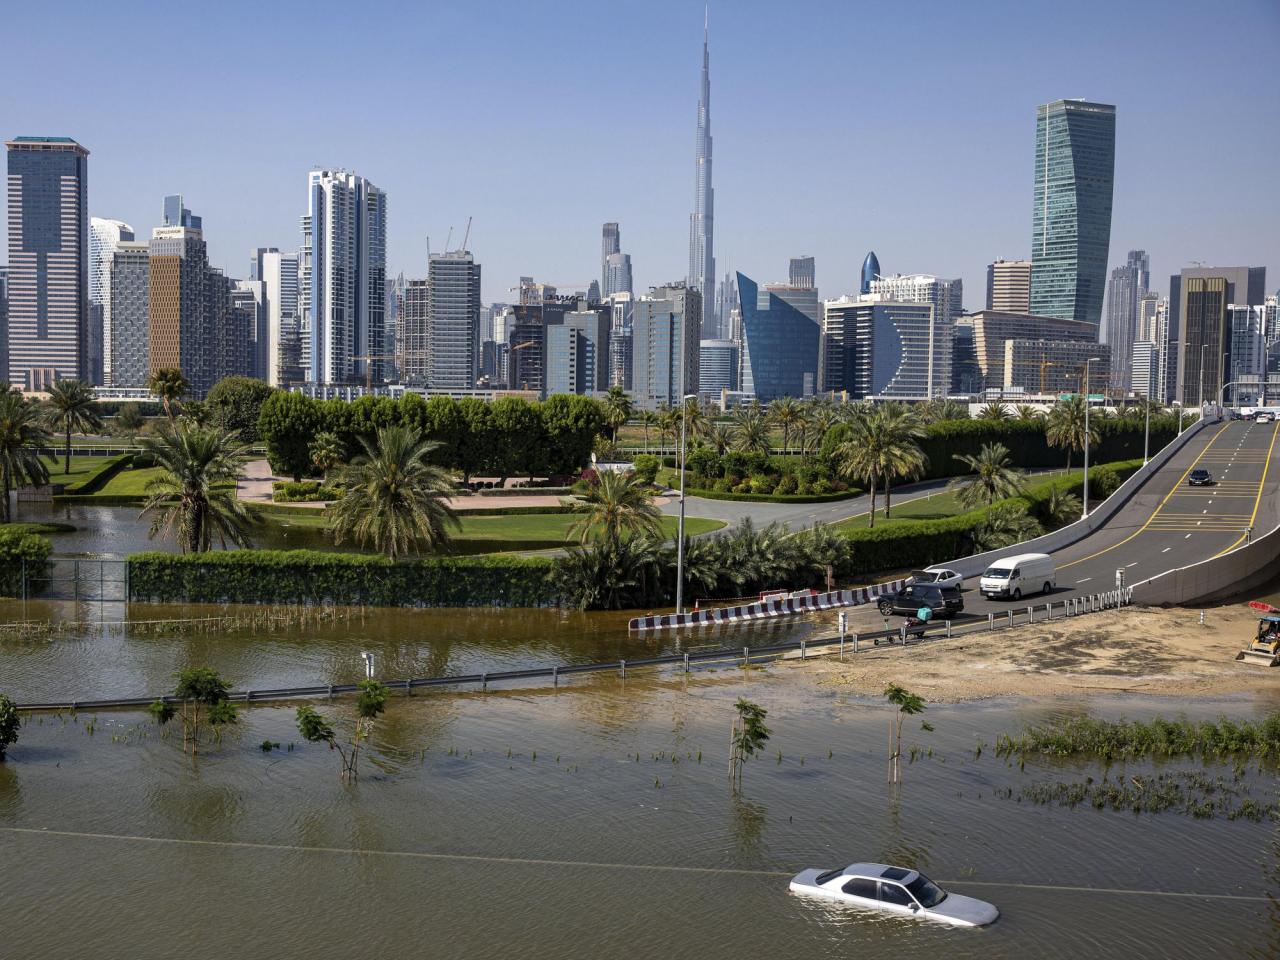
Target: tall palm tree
x,y
393,497
820,419
1026,413
995,410
619,504
647,419
900,453
196,413
195,497
70,410
1004,526
22,433
1065,427
169,385
938,409
992,476
617,409
668,423
858,457
785,412
696,421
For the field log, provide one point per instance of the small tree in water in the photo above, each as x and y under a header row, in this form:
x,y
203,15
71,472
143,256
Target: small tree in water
x,y
316,729
202,696
747,737
9,724
908,703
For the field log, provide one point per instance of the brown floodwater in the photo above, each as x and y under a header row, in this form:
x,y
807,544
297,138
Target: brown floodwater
x,y
589,822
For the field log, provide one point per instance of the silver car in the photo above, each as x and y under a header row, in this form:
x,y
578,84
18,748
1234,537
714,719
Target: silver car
x,y
941,576
895,890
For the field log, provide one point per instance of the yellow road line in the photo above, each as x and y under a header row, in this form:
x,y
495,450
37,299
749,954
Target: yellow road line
x,y
1171,492
1256,503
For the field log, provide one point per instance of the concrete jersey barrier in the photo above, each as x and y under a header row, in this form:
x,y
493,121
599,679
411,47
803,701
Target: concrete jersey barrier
x,y
1217,578
765,609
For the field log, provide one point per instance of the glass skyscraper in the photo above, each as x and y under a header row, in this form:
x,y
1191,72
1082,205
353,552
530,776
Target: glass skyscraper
x,y
1071,221
779,345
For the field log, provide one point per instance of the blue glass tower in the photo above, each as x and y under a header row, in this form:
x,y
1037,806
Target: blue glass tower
x,y
870,270
1071,222
779,345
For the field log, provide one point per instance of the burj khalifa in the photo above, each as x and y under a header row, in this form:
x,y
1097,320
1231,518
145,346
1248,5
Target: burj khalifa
x,y
702,260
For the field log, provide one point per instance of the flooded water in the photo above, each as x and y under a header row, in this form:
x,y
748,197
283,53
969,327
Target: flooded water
x,y
594,821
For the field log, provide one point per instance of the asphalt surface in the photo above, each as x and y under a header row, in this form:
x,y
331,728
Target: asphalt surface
x,y
1168,523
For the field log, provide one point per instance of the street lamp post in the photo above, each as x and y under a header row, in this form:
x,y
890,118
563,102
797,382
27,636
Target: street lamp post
x,y
1181,410
684,420
1146,433
1084,512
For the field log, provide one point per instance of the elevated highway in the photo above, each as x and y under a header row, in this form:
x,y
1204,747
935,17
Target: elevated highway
x,y
1167,523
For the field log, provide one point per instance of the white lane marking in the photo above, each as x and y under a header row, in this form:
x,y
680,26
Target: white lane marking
x,y
1134,564
1187,537
1198,522
1085,580
1166,549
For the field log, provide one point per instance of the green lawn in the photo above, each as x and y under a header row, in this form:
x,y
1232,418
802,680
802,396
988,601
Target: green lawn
x,y
81,468
130,482
941,504
534,529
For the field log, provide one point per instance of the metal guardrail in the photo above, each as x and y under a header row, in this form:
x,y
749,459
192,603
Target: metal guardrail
x,y
1075,606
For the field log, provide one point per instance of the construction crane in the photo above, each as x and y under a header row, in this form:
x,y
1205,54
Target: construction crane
x,y
369,366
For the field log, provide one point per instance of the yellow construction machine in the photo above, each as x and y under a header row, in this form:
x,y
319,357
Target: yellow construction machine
x,y
1265,648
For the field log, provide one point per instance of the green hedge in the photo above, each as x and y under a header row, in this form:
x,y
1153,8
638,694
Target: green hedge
x,y
306,491
307,576
1118,439
902,544
524,492
16,548
776,497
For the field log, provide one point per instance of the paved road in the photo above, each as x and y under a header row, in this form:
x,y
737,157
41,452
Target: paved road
x,y
799,515
1168,524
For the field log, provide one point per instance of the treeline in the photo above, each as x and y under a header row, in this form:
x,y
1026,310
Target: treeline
x,y
1118,438
508,437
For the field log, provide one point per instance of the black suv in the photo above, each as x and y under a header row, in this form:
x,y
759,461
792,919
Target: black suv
x,y
943,601
1200,478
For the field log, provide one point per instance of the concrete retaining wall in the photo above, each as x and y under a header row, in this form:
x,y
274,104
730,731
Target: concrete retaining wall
x,y
1230,575
1073,532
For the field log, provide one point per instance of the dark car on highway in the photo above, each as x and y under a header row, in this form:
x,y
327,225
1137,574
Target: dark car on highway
x,y
1200,478
943,601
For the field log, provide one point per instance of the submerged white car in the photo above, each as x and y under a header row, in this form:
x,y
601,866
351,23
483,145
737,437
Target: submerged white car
x,y
887,889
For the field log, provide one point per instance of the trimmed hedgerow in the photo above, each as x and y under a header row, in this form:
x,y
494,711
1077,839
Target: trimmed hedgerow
x,y
307,576
304,491
16,549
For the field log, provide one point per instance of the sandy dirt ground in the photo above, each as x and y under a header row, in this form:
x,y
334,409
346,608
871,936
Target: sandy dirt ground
x,y
1135,650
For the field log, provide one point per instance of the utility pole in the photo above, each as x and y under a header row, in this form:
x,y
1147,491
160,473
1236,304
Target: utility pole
x,y
1084,512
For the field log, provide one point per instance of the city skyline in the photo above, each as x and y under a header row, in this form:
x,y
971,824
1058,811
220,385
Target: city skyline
x,y
254,199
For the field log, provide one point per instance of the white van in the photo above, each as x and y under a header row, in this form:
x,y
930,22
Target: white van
x,y
1013,576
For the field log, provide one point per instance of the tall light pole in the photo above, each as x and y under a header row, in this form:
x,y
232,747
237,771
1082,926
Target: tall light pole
x,y
1146,433
684,419
1204,363
1084,512
1181,411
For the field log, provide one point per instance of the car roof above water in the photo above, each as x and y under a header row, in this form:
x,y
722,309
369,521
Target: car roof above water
x,y
881,871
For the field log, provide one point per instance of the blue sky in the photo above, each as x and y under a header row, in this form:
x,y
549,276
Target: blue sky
x,y
904,127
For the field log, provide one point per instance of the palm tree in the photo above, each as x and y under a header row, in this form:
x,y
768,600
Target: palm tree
x,y
21,436
619,503
647,419
750,431
1028,413
609,574
992,478
1062,507
326,452
785,412
900,453
995,411
393,497
617,409
195,496
1004,526
939,409
1065,427
668,423
720,437
70,410
196,413
695,419
169,385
